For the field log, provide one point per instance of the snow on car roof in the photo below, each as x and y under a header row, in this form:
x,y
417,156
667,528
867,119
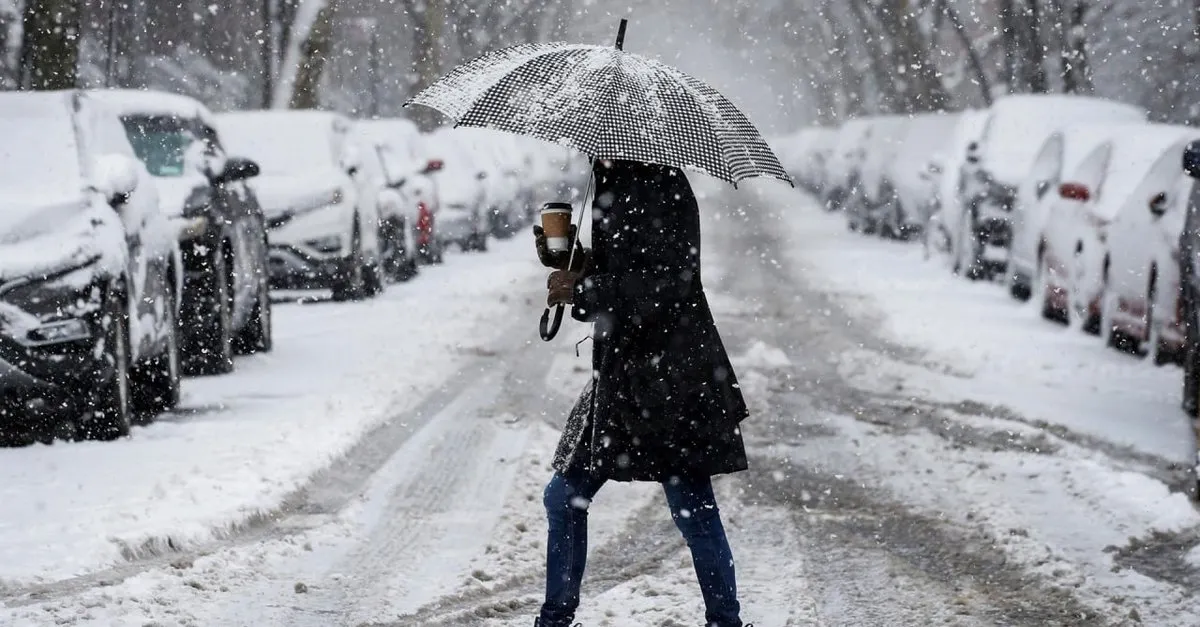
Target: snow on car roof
x,y
1135,148
285,141
1019,125
126,102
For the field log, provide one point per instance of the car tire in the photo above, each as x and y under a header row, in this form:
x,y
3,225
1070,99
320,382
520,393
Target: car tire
x,y
155,384
256,336
111,400
969,263
352,283
1152,344
209,349
1191,357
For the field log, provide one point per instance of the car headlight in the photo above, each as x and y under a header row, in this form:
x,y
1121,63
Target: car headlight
x,y
193,228
57,333
60,302
198,201
327,244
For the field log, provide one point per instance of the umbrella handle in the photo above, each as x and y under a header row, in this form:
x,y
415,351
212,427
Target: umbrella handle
x,y
547,329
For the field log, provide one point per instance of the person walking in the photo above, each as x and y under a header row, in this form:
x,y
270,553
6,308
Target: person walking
x,y
664,404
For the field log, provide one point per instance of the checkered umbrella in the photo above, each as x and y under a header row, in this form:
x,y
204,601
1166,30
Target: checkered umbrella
x,y
608,104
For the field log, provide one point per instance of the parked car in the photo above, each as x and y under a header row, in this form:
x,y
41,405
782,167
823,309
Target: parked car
x,y
89,272
323,227
1060,153
462,217
1073,254
914,173
953,167
874,196
844,163
226,307
805,155
398,215
1189,278
398,144
1016,128
1142,310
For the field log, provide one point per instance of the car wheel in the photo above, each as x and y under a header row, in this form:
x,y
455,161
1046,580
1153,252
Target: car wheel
x,y
208,303
1113,336
481,242
255,337
351,283
1152,343
1044,290
969,262
1191,361
111,398
156,384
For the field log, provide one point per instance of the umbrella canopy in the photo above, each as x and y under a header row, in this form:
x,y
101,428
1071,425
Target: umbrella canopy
x,y
608,104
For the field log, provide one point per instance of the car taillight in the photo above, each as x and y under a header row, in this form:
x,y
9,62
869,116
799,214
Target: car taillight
x,y
424,222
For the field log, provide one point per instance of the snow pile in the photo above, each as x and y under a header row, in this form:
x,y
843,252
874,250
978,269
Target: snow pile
x,y
239,445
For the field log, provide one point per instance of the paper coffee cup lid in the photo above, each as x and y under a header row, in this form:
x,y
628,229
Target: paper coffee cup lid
x,y
556,205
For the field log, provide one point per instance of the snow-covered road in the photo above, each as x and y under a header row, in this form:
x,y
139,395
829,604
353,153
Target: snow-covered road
x,y
923,452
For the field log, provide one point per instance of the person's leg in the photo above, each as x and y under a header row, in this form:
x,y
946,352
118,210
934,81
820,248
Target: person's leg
x,y
566,498
694,509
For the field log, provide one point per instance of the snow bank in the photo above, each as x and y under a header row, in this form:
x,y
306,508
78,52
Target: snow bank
x,y
241,444
996,350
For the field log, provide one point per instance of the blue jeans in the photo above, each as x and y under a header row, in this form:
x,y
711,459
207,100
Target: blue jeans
x,y
694,509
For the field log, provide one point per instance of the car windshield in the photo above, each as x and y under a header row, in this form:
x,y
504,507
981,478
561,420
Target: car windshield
x,y
161,142
38,152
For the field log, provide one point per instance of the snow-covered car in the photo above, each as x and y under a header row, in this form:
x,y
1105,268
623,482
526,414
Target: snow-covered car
x,y
952,168
805,155
496,154
409,172
875,195
462,217
89,272
1141,307
398,216
845,159
1016,129
1060,153
1072,271
323,227
911,177
1189,278
226,305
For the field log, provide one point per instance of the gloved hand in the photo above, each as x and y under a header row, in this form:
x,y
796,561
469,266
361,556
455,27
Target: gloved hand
x,y
558,259
560,287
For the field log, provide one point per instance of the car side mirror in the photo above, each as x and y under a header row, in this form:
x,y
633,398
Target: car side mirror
x,y
115,177
1191,160
238,169
1158,205
433,165
1041,189
1075,191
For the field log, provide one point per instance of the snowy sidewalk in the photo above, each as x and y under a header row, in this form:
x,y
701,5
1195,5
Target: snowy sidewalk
x,y
243,442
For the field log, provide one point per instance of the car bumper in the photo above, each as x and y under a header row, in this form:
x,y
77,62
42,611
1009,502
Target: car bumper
x,y
55,376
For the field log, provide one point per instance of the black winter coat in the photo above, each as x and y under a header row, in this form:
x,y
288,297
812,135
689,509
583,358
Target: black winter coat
x,y
666,401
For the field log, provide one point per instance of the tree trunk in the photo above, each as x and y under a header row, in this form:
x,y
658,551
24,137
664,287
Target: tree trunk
x,y
427,24
880,62
1076,69
50,46
1038,82
919,88
1010,37
960,29
314,53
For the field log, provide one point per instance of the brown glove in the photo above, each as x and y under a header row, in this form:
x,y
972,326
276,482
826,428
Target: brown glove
x,y
558,259
561,287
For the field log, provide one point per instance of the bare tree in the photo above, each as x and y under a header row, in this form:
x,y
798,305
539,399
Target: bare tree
x,y
50,44
960,31
314,53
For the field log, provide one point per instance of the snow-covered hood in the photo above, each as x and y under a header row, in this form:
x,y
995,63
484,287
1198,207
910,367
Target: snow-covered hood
x,y
43,235
282,193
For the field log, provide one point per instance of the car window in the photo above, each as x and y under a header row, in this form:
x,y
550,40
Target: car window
x,y
168,145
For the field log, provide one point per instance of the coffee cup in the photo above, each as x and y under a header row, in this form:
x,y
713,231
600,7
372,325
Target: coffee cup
x,y
556,224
